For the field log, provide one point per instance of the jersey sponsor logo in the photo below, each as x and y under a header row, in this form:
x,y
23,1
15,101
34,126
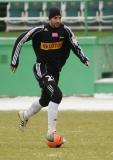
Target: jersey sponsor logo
x,y
51,46
54,34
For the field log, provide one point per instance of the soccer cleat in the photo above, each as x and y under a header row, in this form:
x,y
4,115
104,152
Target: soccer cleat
x,y
50,136
22,120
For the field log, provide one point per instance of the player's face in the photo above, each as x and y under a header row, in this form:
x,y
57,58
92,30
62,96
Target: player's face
x,y
55,22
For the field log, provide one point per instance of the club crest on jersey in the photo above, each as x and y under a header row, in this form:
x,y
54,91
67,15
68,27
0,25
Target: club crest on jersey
x,y
54,34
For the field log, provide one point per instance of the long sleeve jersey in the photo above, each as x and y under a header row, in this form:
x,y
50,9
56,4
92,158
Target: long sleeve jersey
x,y
51,45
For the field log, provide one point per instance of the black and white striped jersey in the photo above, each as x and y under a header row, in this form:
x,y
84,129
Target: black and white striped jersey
x,y
51,45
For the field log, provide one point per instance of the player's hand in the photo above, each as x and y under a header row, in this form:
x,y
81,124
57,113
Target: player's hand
x,y
13,69
87,63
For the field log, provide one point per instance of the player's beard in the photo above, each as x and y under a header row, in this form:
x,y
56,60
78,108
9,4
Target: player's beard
x,y
57,25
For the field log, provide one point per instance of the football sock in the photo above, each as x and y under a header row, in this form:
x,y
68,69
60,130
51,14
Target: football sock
x,y
52,116
35,108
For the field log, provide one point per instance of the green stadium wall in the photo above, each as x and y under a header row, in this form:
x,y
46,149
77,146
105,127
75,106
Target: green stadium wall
x,y
75,78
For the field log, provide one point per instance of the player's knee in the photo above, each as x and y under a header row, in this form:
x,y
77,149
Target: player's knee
x,y
44,102
57,96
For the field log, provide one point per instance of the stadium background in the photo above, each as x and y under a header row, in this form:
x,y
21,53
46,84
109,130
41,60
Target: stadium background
x,y
86,18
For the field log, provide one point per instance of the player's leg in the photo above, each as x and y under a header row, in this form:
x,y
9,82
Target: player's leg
x,y
26,114
52,96
52,89
53,109
44,99
39,70
56,96
34,108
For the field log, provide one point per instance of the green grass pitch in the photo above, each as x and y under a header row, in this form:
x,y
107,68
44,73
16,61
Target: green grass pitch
x,y
89,136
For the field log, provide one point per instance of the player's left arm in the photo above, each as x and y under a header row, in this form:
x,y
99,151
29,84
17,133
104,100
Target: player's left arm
x,y
77,49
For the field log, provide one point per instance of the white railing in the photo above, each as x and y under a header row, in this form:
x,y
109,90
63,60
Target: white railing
x,y
13,22
42,19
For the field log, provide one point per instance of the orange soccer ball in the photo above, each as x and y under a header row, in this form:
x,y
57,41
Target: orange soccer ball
x,y
56,142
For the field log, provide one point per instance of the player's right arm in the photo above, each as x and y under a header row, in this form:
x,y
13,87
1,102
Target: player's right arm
x,y
17,47
15,52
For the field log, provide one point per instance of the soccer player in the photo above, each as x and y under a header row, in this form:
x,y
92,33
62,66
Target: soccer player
x,y
52,44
